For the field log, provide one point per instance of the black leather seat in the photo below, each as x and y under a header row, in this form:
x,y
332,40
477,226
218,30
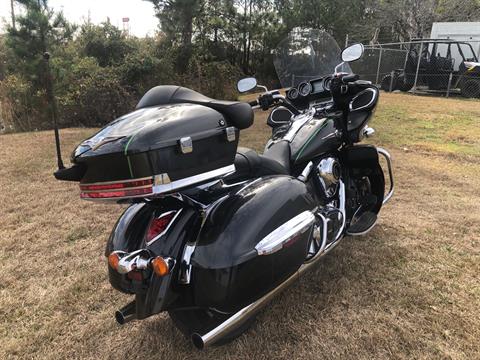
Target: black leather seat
x,y
238,114
249,164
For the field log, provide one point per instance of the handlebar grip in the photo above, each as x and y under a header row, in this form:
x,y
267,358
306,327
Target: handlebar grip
x,y
350,78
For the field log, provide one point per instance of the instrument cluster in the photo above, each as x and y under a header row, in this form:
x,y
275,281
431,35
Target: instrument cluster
x,y
309,91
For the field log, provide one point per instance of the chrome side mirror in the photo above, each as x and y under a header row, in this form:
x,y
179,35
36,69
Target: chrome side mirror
x,y
352,53
246,84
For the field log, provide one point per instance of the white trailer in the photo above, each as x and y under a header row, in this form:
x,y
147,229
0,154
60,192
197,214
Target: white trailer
x,y
459,31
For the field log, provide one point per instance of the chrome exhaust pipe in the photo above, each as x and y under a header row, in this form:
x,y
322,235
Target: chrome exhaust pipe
x,y
126,314
240,317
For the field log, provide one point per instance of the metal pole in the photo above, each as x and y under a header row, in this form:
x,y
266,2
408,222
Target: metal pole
x,y
13,14
418,68
392,74
450,77
378,66
346,41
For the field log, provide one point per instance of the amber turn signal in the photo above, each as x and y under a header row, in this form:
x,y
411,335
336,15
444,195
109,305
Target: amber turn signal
x,y
113,260
160,266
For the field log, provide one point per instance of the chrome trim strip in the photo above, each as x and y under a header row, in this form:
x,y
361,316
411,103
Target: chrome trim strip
x,y
276,240
186,266
162,188
342,199
181,183
177,213
324,232
388,158
298,124
280,122
372,100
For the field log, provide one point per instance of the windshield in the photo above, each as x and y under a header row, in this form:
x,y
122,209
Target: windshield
x,y
306,54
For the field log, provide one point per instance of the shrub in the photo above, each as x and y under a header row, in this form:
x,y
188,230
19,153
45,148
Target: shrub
x,y
95,96
20,109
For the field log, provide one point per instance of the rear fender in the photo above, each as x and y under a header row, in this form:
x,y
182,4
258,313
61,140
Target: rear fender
x,y
153,294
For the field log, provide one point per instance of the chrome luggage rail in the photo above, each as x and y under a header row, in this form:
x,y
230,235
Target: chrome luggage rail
x,y
388,158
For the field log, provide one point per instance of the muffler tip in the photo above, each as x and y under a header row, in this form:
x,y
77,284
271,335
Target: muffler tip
x,y
119,317
126,314
198,341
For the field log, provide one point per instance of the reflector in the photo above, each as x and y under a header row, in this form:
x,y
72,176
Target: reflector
x,y
160,266
159,225
128,188
113,260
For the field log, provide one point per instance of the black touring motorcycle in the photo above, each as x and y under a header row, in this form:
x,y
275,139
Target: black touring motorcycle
x,y
215,231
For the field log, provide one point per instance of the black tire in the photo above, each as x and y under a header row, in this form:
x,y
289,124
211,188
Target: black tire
x,y
403,85
471,88
385,83
202,321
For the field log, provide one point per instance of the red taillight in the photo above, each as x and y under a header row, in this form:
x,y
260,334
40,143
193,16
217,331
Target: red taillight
x,y
159,225
129,188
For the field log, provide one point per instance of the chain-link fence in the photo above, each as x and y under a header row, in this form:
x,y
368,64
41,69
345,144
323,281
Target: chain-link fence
x,y
445,67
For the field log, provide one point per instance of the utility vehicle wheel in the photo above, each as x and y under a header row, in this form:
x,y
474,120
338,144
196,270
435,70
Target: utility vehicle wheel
x,y
386,81
403,85
471,88
202,321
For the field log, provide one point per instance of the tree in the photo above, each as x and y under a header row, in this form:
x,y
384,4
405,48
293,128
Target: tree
x,y
39,29
458,10
176,20
105,42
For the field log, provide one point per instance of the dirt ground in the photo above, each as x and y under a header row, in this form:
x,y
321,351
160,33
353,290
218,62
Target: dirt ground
x,y
408,290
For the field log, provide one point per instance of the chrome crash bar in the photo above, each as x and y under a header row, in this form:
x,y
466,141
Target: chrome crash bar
x,y
388,158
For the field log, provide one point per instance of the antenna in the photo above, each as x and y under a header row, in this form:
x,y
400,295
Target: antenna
x,y
53,107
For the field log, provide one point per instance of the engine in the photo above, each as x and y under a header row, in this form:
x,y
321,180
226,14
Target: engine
x,y
328,173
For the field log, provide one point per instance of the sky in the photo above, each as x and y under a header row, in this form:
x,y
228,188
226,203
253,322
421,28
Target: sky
x,y
142,19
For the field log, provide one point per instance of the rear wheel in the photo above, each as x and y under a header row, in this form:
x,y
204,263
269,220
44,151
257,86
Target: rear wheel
x,y
202,321
471,88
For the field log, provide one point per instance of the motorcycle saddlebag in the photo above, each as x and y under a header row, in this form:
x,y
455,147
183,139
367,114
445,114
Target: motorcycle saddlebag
x,y
234,262
155,150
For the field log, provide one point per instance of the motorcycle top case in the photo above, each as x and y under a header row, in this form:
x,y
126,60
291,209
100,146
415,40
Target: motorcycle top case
x,y
155,150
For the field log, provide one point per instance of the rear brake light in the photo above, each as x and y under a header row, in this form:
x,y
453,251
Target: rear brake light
x,y
129,188
159,225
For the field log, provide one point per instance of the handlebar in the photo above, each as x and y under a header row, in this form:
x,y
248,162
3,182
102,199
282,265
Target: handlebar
x,y
266,100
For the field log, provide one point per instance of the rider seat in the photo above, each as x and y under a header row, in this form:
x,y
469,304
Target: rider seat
x,y
275,161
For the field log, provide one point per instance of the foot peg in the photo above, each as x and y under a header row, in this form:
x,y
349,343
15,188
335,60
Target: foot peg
x,y
362,224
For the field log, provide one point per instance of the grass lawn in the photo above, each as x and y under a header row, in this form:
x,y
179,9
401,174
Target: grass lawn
x,y
409,289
